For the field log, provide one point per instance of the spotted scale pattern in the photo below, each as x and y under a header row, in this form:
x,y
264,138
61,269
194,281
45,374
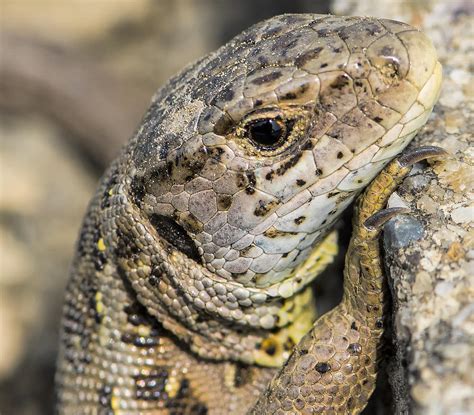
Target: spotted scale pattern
x,y
250,216
213,239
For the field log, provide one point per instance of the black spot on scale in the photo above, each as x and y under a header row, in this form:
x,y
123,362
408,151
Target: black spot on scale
x,y
350,403
387,51
135,314
378,119
323,367
267,78
323,65
99,257
323,32
308,56
300,182
340,155
165,144
111,182
372,29
216,153
274,31
285,44
224,201
274,233
252,180
372,308
263,207
126,246
93,307
241,180
289,95
340,82
105,398
299,220
137,190
243,375
269,347
288,165
139,341
151,387
99,260
153,280
303,88
224,96
354,348
185,402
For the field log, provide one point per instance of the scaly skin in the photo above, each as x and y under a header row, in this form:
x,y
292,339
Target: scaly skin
x,y
191,284
333,368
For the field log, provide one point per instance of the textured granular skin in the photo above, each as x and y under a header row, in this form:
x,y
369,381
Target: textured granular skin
x,y
191,283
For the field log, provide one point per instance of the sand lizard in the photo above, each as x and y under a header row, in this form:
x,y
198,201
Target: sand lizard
x,y
191,284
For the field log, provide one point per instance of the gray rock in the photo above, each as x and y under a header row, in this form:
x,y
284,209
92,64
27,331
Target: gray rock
x,y
430,370
401,231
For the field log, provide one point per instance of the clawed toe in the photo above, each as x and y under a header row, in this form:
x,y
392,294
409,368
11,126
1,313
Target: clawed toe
x,y
377,220
421,153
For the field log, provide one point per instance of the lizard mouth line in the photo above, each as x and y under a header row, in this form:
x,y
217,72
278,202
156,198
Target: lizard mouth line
x,y
305,272
300,277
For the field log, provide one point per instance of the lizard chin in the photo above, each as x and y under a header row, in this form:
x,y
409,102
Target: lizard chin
x,y
298,312
305,272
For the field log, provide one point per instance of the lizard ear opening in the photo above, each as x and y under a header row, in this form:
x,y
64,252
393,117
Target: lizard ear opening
x,y
175,235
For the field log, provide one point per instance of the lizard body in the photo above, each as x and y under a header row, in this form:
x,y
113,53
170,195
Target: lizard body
x,y
191,283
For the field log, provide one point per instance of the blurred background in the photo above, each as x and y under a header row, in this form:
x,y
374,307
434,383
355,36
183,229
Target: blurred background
x,y
75,78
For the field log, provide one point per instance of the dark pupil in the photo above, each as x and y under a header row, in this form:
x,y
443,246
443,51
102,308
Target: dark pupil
x,y
266,132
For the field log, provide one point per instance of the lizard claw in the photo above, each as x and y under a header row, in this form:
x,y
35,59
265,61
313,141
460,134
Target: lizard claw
x,y
377,220
421,153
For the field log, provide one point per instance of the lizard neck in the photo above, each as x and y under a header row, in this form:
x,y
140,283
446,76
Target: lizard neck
x,y
217,319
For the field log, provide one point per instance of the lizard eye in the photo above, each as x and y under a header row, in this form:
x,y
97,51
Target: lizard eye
x,y
267,133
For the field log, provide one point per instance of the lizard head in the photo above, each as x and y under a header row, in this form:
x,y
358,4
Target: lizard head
x,y
247,158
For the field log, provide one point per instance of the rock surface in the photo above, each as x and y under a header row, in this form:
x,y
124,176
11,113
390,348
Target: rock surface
x,y
430,254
